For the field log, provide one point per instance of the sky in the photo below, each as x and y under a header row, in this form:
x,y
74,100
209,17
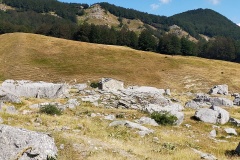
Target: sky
x,y
228,8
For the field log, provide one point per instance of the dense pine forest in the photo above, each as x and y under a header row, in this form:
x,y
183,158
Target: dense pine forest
x,y
57,19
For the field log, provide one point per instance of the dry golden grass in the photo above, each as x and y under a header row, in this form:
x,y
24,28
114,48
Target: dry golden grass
x,y
91,138
37,57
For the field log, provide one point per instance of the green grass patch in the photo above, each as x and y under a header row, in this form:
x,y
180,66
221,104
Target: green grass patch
x,y
51,110
164,118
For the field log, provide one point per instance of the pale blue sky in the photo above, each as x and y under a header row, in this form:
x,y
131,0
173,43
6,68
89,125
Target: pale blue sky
x,y
228,8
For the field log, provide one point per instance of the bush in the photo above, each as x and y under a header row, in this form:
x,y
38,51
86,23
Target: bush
x,y
94,84
51,110
164,118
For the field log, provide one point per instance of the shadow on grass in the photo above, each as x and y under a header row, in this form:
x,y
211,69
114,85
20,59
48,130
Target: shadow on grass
x,y
232,154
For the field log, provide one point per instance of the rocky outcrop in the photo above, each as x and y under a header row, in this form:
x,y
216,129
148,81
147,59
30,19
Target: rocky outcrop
x,y
203,100
29,89
219,89
17,143
213,115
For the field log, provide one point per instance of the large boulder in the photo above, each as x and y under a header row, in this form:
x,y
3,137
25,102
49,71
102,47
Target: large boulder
x,y
17,143
205,100
31,89
213,115
219,89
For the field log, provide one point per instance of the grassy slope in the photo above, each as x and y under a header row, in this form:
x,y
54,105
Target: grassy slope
x,y
36,57
29,56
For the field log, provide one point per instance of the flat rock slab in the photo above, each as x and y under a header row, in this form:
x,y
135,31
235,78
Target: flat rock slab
x,y
22,144
31,89
143,130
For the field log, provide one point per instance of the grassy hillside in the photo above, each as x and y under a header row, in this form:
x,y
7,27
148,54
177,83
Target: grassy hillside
x,y
36,57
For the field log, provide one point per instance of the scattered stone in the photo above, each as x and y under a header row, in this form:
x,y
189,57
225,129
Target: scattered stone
x,y
110,84
65,128
147,120
168,92
17,143
212,115
236,101
205,155
11,110
38,120
61,146
236,95
156,139
231,131
110,117
188,125
219,89
192,104
93,115
213,133
235,121
91,98
214,126
143,130
26,112
31,89
72,103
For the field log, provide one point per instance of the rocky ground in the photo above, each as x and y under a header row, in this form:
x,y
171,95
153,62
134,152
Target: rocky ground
x,y
114,122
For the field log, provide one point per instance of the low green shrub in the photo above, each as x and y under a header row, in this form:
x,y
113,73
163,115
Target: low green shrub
x,y
164,118
51,110
94,84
